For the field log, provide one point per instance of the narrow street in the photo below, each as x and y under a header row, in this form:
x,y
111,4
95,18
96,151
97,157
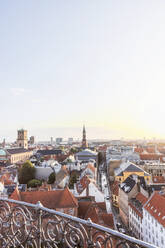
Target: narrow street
x,y
105,188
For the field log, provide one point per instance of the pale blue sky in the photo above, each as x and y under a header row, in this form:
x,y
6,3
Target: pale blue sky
x,y
68,62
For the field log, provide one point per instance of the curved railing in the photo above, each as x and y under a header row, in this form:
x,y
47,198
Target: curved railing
x,y
33,226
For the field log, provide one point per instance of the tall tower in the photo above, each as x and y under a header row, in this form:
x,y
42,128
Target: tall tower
x,y
22,140
84,141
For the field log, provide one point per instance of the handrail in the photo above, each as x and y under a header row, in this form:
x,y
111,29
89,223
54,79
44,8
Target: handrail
x,y
34,225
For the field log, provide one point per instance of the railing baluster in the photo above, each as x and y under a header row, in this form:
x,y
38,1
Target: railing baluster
x,y
39,214
33,226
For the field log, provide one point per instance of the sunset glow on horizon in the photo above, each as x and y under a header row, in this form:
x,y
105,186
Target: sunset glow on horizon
x,y
68,63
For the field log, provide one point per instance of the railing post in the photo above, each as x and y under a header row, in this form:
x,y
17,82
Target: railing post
x,y
90,241
38,205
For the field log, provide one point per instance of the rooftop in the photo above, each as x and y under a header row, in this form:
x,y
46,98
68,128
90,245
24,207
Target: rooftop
x,y
155,206
53,199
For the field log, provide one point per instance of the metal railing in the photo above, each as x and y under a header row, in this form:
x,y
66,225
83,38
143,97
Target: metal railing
x,y
33,226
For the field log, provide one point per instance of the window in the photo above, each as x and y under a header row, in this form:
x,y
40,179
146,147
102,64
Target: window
x,y
162,241
156,234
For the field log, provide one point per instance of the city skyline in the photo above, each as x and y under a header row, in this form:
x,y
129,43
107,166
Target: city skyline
x,y
64,64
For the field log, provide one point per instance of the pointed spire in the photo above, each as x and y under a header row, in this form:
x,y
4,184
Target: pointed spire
x,y
84,141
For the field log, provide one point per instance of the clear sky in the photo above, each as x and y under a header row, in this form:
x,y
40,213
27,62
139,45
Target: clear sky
x,y
68,63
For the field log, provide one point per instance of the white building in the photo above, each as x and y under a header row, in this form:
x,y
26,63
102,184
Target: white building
x,y
47,167
90,171
136,215
87,187
124,153
154,220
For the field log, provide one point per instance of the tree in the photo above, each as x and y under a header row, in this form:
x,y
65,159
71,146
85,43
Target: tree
x,y
74,150
26,172
52,178
72,181
34,183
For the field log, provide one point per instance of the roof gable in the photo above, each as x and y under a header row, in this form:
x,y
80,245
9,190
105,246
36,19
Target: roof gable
x,y
51,199
82,184
156,207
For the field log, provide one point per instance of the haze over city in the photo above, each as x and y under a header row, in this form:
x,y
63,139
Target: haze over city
x,y
68,63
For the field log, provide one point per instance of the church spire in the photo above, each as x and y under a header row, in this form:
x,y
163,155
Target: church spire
x,y
84,141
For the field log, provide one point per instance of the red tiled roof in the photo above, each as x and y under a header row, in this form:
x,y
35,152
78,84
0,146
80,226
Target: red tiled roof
x,y
96,212
82,184
16,195
51,199
150,150
85,205
6,179
141,198
158,179
138,149
108,220
82,208
92,213
150,156
101,205
156,207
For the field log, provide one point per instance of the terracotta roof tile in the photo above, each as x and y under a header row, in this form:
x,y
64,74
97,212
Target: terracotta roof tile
x,y
150,156
16,195
6,179
82,184
158,179
108,220
51,199
156,207
92,213
101,205
82,208
141,198
138,150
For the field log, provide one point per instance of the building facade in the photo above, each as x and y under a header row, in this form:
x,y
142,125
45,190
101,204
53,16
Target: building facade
x,y
154,220
15,155
22,140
